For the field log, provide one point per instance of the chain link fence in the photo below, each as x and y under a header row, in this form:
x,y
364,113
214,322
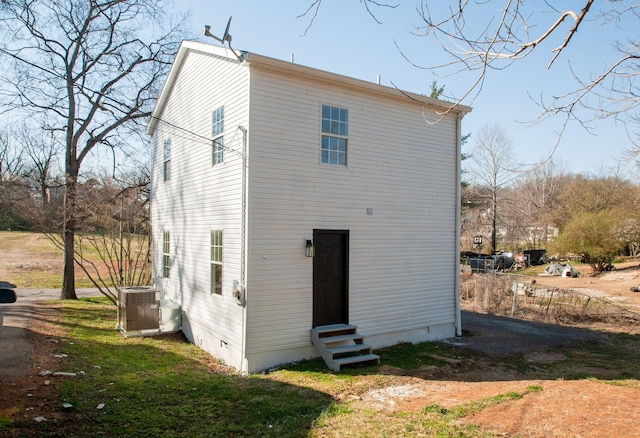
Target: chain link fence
x,y
518,296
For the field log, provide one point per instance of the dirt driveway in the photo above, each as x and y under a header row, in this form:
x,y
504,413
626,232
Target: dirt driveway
x,y
26,347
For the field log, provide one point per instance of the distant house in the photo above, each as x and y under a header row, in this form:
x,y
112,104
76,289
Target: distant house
x,y
286,199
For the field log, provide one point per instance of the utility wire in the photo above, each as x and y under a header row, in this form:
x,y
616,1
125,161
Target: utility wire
x,y
200,138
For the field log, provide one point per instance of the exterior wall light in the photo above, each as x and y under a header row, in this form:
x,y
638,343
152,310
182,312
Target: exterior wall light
x,y
309,250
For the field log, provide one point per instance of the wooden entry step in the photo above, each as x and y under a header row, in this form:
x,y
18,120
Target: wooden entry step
x,y
340,344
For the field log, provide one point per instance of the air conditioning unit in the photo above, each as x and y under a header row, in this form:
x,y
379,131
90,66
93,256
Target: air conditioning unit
x,y
138,311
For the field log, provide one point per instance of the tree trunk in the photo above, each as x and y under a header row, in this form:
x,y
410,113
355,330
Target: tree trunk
x,y
68,280
494,222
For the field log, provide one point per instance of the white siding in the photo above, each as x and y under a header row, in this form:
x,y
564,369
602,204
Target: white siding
x,y
402,268
201,197
402,260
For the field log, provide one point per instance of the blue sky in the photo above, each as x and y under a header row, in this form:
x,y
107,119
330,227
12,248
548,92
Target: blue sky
x,y
345,39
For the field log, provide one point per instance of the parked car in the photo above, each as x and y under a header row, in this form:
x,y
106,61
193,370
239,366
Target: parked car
x,y
7,296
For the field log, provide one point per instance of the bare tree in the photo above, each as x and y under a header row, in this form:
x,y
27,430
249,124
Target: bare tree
x,y
117,230
536,197
10,158
42,152
87,71
491,169
515,29
314,8
597,218
485,36
11,165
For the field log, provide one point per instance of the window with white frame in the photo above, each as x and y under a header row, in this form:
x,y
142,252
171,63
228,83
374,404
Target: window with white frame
x,y
335,130
216,262
167,159
166,253
218,135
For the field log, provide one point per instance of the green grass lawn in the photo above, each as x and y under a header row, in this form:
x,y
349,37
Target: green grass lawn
x,y
162,386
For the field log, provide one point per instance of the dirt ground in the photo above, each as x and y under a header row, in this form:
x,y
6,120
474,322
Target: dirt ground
x,y
615,285
32,261
559,408
579,408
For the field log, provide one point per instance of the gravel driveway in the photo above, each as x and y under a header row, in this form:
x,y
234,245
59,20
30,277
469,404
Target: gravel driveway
x,y
15,349
496,335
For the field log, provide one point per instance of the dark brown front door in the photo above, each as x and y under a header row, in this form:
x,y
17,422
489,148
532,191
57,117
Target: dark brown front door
x,y
330,277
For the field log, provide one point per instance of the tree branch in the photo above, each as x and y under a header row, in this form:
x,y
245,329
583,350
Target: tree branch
x,y
314,8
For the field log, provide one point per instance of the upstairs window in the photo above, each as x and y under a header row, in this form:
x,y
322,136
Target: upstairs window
x,y
166,253
218,135
167,160
216,262
335,130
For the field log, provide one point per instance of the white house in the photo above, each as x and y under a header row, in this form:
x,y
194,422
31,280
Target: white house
x,y
286,198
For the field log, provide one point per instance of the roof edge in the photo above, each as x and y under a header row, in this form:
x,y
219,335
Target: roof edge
x,y
185,47
357,83
276,64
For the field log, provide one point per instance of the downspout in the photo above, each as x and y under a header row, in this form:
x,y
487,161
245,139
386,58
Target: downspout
x,y
243,219
456,260
243,247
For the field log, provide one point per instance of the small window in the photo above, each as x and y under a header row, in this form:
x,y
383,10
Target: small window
x,y
335,129
167,160
216,262
166,251
218,135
